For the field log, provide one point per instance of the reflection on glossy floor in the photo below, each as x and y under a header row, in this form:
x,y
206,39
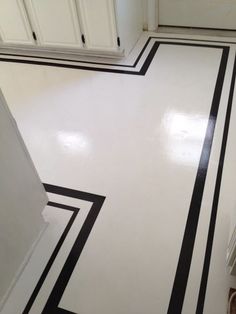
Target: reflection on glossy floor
x,y
140,141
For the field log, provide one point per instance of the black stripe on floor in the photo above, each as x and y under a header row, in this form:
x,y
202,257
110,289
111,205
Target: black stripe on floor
x,y
72,259
211,231
185,258
142,71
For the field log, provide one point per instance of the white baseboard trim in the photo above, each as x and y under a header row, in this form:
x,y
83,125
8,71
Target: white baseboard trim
x,y
57,52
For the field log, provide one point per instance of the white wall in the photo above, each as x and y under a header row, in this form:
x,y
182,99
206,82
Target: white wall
x,y
22,199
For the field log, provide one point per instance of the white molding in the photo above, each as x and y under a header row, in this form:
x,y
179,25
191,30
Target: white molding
x,y
145,19
152,15
43,51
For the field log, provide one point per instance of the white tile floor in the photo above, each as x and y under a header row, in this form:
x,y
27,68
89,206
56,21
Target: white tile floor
x,y
137,140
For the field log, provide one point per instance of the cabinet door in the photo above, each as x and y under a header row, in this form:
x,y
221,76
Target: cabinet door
x,y
99,24
14,24
55,22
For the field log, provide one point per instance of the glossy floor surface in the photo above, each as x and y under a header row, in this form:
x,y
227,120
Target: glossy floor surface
x,y
148,139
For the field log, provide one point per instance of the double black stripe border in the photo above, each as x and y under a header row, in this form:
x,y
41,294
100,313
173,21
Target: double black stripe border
x,y
212,224
53,62
76,60
185,258
97,201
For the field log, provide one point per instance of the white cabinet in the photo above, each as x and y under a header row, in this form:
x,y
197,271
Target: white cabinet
x,y
99,24
102,26
14,24
129,15
109,24
55,22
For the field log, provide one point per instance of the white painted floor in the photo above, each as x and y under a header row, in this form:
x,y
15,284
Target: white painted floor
x,y
136,140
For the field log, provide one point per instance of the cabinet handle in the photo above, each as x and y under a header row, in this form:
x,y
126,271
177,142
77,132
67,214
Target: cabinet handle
x,y
83,38
118,41
34,36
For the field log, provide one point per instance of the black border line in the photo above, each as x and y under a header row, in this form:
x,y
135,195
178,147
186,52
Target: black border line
x,y
81,61
197,40
141,72
54,254
185,258
71,261
212,224
104,63
181,278
97,201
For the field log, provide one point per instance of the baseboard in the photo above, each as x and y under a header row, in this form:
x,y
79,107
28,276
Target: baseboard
x,y
57,52
185,30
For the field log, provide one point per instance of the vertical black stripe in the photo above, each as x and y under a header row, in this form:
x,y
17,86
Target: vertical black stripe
x,y
141,53
185,258
211,231
149,59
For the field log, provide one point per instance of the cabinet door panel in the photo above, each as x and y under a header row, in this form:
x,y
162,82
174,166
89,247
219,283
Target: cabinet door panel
x,y
14,24
99,24
55,22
